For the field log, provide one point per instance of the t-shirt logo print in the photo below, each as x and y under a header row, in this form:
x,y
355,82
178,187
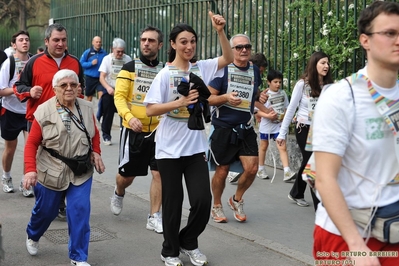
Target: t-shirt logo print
x,y
374,128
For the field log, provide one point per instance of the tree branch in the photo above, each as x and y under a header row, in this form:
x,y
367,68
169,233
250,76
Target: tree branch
x,y
37,25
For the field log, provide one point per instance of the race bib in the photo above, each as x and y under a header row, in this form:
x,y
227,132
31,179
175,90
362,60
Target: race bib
x,y
241,82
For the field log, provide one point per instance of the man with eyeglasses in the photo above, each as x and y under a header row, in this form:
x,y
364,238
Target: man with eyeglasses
x,y
109,69
137,146
234,96
355,144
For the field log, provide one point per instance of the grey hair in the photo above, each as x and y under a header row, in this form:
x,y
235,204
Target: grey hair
x,y
238,35
64,73
51,28
118,43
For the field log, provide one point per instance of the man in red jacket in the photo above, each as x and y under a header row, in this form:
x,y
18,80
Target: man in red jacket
x,y
34,84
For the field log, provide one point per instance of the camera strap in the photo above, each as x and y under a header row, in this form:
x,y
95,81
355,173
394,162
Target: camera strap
x,y
78,122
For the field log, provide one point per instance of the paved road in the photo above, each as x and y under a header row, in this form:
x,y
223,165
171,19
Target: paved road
x,y
277,231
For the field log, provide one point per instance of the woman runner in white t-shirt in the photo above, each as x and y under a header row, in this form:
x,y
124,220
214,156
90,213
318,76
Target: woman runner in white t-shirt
x,y
180,150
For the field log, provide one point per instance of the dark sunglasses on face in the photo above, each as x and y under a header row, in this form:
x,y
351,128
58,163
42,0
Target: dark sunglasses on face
x,y
150,40
64,86
242,46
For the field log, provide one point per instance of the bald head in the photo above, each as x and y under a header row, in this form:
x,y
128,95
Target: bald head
x,y
97,42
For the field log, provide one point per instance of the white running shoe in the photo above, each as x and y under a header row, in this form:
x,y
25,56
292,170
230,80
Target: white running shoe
x,y
26,192
233,177
116,204
196,256
32,246
262,174
154,223
289,176
171,261
79,263
8,187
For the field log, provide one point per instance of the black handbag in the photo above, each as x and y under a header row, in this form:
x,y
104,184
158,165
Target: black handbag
x,y
79,164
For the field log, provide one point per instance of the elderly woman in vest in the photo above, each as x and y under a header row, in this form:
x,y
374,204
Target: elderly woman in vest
x,y
61,150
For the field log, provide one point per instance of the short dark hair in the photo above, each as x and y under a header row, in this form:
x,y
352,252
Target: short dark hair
x,y
274,74
259,60
40,49
372,11
51,28
152,28
15,35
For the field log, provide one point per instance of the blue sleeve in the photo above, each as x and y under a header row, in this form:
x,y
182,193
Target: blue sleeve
x,y
84,60
220,84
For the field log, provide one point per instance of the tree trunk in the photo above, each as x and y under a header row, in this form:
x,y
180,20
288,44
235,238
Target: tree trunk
x,y
22,14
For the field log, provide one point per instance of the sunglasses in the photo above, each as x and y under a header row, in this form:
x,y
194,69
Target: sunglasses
x,y
64,86
150,40
242,46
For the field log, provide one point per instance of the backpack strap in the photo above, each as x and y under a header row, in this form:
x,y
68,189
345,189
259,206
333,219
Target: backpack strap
x,y
12,67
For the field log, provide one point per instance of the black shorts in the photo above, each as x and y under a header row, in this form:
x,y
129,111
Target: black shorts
x,y
226,148
92,85
12,124
136,153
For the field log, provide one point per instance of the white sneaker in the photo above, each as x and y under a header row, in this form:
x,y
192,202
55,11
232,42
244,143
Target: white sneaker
x,y
300,202
154,223
262,174
171,261
107,142
288,176
196,256
233,177
116,204
8,187
79,263
26,192
32,246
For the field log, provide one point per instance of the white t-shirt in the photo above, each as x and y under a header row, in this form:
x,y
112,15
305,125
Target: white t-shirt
x,y
112,67
299,99
357,132
173,137
267,126
11,102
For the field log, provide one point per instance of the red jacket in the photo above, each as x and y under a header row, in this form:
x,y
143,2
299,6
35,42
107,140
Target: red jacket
x,y
39,71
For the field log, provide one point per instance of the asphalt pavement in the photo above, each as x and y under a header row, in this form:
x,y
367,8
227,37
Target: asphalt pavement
x,y
277,231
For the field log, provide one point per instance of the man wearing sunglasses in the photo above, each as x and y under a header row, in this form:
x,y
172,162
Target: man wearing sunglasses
x,y
137,146
234,96
109,69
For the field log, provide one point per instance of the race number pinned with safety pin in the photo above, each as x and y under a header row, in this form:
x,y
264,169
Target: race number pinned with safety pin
x,y
277,101
311,106
142,82
242,84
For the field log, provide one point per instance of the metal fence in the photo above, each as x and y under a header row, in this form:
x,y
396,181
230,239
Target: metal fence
x,y
286,31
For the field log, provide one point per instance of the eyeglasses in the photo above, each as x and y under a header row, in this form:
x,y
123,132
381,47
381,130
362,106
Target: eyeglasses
x,y
150,40
242,46
390,34
119,52
64,86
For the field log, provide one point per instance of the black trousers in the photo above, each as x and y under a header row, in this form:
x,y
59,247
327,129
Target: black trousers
x,y
299,187
196,176
108,110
